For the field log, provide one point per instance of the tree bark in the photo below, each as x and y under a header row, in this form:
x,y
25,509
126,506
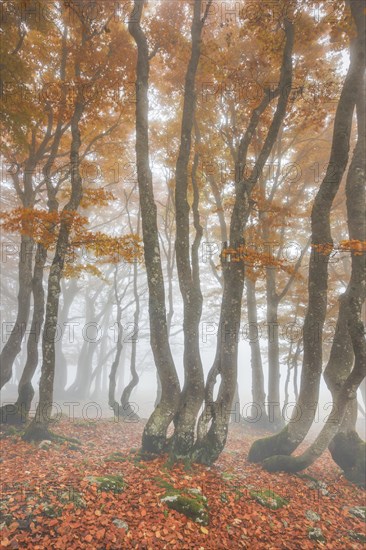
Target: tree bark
x,y
13,344
38,428
258,392
17,413
127,410
286,441
210,446
187,265
154,435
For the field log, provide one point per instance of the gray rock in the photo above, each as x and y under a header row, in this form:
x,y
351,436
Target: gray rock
x,y
359,512
45,444
320,486
316,534
312,516
120,524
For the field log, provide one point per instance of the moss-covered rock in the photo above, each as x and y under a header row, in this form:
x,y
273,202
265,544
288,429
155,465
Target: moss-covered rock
x,y
190,502
358,512
314,533
359,537
120,524
269,499
112,483
312,516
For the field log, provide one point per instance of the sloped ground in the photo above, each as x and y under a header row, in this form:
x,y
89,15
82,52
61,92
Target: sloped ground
x,y
100,496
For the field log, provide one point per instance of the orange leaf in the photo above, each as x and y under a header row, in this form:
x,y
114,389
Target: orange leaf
x,y
100,534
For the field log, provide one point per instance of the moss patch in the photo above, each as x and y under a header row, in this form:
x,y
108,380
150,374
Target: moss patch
x,y
359,537
107,483
116,457
358,512
190,502
269,499
73,496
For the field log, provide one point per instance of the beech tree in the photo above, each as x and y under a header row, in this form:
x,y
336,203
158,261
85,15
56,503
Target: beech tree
x,y
293,434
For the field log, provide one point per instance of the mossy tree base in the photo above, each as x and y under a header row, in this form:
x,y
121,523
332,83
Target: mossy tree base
x,y
12,415
285,463
209,449
180,447
348,450
278,444
153,446
38,432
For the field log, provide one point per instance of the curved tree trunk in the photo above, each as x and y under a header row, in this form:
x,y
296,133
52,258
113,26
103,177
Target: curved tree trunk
x,y
187,264
210,446
18,412
293,434
127,410
346,447
14,342
38,428
154,435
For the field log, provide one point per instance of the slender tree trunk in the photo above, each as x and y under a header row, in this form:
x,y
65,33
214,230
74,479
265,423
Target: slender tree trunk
x,y
61,374
127,410
18,413
154,435
293,434
13,344
274,404
25,390
38,428
258,392
187,265
347,448
210,446
170,256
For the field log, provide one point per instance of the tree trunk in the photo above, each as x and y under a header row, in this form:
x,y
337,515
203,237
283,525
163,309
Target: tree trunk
x,y
18,413
68,295
347,448
127,410
188,267
274,404
258,393
38,428
154,435
210,446
293,434
13,344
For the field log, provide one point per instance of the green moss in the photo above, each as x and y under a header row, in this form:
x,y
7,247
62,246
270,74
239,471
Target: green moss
x,y
269,499
227,476
116,457
189,502
73,496
358,512
314,533
359,537
106,483
192,506
51,511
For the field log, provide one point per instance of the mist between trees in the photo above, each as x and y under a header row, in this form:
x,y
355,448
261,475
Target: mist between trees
x,y
241,413
128,332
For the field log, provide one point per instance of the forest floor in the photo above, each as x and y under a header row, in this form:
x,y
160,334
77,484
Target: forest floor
x,y
99,495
